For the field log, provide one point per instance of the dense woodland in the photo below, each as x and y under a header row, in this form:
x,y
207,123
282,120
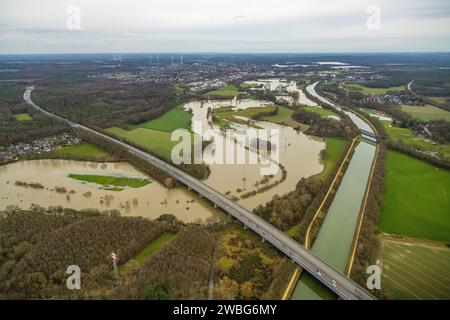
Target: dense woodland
x,y
181,270
105,103
323,127
12,130
37,247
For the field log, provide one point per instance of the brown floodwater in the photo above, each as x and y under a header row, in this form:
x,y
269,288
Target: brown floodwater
x,y
152,199
298,153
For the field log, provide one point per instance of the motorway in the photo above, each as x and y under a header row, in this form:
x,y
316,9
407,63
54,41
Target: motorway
x,y
335,280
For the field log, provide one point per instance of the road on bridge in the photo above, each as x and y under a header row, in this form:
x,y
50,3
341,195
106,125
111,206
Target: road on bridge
x,y
343,286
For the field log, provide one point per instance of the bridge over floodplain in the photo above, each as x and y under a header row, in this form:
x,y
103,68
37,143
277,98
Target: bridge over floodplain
x,y
332,278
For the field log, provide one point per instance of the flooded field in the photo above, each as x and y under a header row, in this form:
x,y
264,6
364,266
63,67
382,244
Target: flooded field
x,y
298,153
150,200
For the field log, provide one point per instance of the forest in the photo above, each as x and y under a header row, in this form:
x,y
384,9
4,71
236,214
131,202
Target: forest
x,y
322,126
181,270
13,130
38,245
105,103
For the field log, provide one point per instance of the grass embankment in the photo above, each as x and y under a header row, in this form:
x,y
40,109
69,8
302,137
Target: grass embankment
x,y
372,91
84,151
228,91
154,246
333,150
23,117
426,112
155,135
416,199
406,136
415,270
112,183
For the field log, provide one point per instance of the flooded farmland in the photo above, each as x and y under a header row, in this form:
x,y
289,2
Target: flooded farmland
x,y
150,200
299,154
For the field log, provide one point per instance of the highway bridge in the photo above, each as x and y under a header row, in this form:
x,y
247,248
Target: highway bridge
x,y
335,280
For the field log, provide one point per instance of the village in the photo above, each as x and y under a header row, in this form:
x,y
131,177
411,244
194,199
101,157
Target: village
x,y
47,144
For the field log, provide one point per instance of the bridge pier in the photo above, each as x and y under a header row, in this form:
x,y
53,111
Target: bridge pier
x,y
263,240
215,206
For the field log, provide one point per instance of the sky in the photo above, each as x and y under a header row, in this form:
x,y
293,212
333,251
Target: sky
x,y
276,26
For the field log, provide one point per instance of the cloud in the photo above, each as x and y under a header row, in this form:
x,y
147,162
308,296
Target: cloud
x,y
234,26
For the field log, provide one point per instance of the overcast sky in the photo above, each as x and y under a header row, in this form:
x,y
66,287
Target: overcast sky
x,y
41,26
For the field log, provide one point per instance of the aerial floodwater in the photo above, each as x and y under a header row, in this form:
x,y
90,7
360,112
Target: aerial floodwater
x,y
299,154
59,189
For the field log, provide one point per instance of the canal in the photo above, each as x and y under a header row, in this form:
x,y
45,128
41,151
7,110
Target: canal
x,y
334,240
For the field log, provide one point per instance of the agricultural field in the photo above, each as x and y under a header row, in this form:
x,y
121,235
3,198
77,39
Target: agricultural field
x,y
282,115
23,117
416,199
228,91
112,183
415,270
407,137
440,100
175,118
372,91
157,142
83,151
426,112
154,246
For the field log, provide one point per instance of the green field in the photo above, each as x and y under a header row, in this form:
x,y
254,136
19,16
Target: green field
x,y
282,114
154,246
157,142
415,270
175,118
372,91
85,151
108,181
440,100
416,199
333,150
406,137
228,91
320,111
23,117
225,115
426,112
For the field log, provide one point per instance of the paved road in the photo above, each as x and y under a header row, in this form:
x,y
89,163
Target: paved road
x,y
409,85
344,287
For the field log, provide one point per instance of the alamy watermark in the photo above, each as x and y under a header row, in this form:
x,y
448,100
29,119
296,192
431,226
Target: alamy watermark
x,y
374,280
74,280
73,21
249,146
373,21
